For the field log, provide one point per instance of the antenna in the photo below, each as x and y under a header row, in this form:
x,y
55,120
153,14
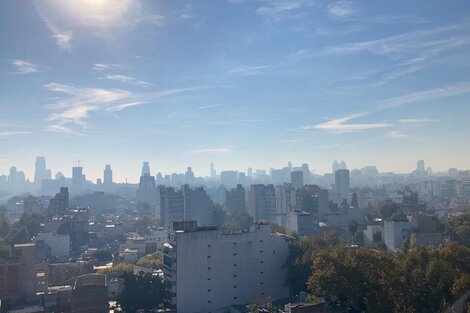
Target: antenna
x,y
78,162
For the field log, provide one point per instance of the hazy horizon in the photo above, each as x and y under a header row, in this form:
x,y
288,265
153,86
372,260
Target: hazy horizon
x,y
237,83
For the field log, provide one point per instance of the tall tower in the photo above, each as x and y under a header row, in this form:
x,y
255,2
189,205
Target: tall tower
x,y
213,172
77,178
107,176
342,184
145,169
39,170
420,166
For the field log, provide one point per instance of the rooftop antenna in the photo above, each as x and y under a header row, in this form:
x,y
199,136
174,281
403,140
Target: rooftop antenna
x,y
78,162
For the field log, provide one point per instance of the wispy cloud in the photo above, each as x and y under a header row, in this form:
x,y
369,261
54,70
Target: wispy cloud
x,y
12,133
107,66
155,19
284,9
426,95
418,120
128,79
211,106
74,108
23,67
340,125
341,9
248,70
396,134
221,150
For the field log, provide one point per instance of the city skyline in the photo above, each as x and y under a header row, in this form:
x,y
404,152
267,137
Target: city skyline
x,y
184,84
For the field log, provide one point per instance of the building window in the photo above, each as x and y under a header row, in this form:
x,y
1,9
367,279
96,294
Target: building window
x,y
235,287
234,254
234,265
261,262
208,279
235,275
261,273
261,283
208,246
209,301
208,256
260,251
262,293
208,267
234,243
261,241
235,298
208,290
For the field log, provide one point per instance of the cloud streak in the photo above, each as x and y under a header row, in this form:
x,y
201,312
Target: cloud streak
x,y
220,150
128,79
23,67
341,125
12,133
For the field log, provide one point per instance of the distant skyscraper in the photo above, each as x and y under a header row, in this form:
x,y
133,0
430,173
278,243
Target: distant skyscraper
x,y
235,199
261,202
420,166
250,172
189,176
39,170
60,203
148,193
213,172
108,176
145,169
342,165
342,183
77,178
297,179
335,166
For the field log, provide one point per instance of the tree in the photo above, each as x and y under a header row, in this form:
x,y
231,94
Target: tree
x,y
239,219
458,228
387,210
218,217
352,227
4,223
144,292
154,260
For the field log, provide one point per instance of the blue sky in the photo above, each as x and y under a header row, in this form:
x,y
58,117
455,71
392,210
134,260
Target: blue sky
x,y
239,83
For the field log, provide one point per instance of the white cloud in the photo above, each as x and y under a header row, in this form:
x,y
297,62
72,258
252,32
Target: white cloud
x,y
426,95
211,106
128,79
282,9
155,19
340,125
417,120
396,134
107,66
248,70
24,67
222,150
12,133
341,9
74,108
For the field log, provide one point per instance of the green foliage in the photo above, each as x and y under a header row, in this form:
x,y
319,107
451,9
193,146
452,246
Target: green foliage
x,y
143,224
363,280
353,227
142,292
25,229
300,260
239,219
387,210
458,228
154,260
103,255
218,217
4,223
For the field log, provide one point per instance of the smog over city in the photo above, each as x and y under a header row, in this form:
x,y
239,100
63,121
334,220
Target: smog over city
x,y
234,156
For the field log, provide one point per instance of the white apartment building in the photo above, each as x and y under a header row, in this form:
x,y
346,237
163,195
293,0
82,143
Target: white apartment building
x,y
209,269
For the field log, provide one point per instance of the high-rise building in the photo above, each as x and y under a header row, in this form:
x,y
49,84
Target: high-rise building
x,y
297,179
420,168
213,172
107,176
145,169
283,198
261,202
219,269
59,204
39,170
189,176
77,178
342,184
229,178
250,172
235,199
148,193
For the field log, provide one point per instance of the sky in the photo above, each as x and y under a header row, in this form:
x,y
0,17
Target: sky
x,y
239,83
